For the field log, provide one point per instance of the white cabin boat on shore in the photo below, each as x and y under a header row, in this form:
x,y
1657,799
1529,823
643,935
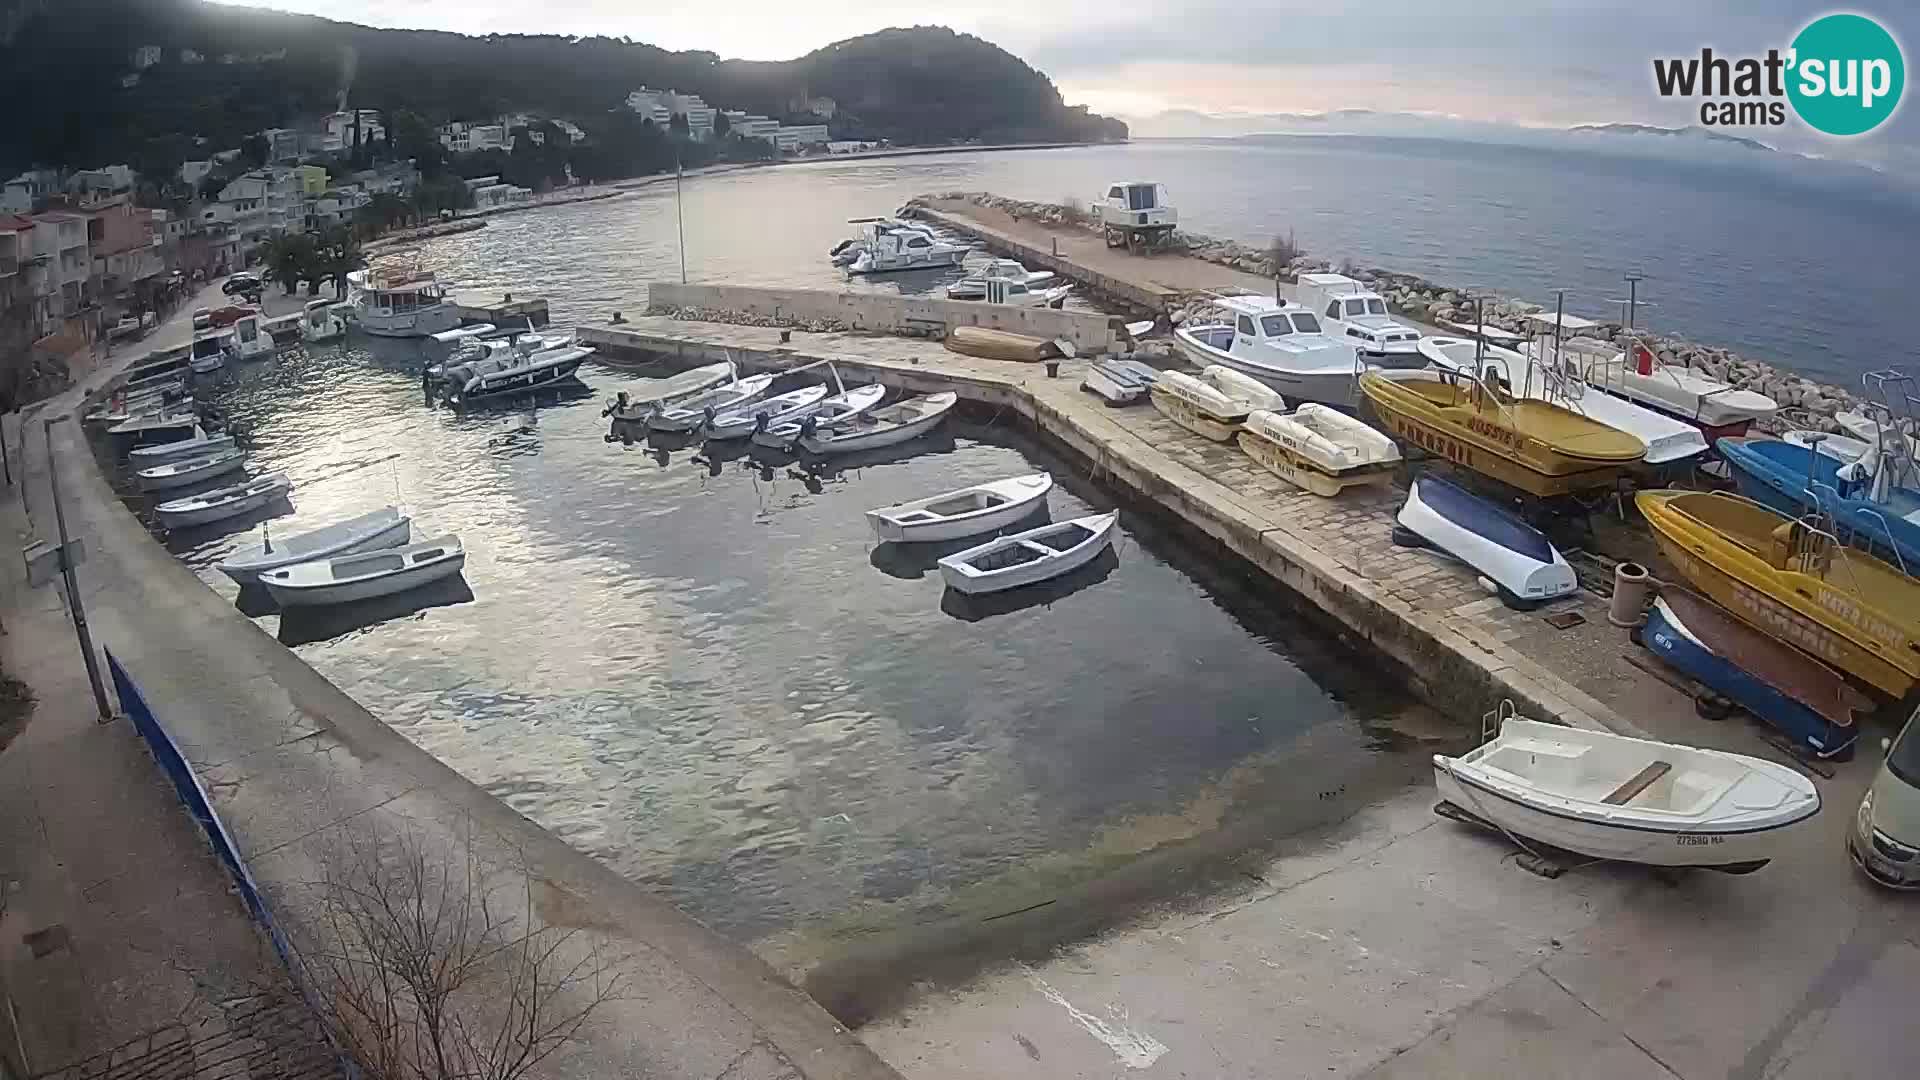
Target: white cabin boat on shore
x,y
1282,345
889,248
1351,310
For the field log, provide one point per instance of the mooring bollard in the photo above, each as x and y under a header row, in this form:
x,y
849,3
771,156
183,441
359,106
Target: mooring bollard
x,y
1053,369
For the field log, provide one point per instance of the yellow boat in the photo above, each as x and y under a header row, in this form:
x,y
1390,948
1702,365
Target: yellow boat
x,y
1794,582
1536,446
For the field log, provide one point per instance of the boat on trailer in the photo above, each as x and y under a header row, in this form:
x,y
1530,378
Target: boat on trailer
x,y
383,528
365,575
1029,557
1608,796
1318,448
887,425
1518,558
954,515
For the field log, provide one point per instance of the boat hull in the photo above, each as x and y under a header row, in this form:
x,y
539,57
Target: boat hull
x,y
960,527
1775,474
1183,412
1117,382
1507,551
148,456
178,519
1302,472
1028,573
873,440
190,477
520,382
415,324
393,535
367,588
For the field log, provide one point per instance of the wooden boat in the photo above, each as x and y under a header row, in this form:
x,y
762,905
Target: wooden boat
x,y
970,511
1793,582
1318,448
1761,675
1607,796
825,413
1198,407
690,412
1243,388
650,394
1512,554
1026,558
365,575
1873,514
383,528
1535,446
1119,382
200,445
740,422
222,503
187,471
999,345
885,426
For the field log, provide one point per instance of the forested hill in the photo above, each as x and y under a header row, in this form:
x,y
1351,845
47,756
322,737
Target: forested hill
x,y
68,68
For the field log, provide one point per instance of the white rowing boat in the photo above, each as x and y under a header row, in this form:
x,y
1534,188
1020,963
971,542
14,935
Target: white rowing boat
x,y
690,413
363,576
185,472
826,413
740,422
1026,558
382,528
885,426
966,512
641,401
222,503
198,446
1633,800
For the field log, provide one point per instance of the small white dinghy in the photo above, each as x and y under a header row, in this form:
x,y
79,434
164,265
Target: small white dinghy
x,y
222,503
363,576
888,425
383,528
958,514
827,413
1242,388
199,446
185,472
743,421
1319,448
1198,406
1025,558
690,413
652,394
1607,796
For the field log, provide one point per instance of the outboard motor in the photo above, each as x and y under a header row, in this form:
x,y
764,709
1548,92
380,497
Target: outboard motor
x,y
759,423
708,413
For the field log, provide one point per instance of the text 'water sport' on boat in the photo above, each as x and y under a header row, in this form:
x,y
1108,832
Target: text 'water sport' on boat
x,y
1535,446
383,528
1025,558
1515,556
1283,346
690,412
825,413
365,575
643,399
1790,691
738,423
1607,796
1794,581
187,471
887,425
1874,513
222,503
1318,448
970,511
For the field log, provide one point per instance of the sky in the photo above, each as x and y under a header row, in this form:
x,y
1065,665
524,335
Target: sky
x,y
1543,63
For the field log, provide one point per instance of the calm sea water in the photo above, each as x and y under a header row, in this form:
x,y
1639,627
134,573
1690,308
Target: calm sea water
x,y
1810,275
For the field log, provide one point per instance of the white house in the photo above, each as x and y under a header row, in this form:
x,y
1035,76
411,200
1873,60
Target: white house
x,y
337,129
107,179
283,144
192,172
21,192
790,139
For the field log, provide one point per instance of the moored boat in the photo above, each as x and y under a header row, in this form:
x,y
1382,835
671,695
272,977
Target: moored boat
x,y
1515,556
823,414
1119,382
643,399
1318,448
1872,513
1532,445
1608,796
1197,406
210,351
250,338
744,420
198,444
383,528
364,575
887,425
1795,582
953,515
187,471
1029,557
1842,448
320,322
527,362
222,503
689,413
402,302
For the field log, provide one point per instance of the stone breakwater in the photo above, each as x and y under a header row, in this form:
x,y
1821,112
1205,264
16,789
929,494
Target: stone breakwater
x,y
1804,403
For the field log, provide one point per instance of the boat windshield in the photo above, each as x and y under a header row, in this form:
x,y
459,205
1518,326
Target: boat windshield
x,y
1376,306
1140,197
1306,323
1275,325
1903,760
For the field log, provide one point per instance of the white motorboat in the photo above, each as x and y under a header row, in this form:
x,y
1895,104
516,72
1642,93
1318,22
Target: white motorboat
x,y
690,413
1024,558
1507,551
1248,391
527,362
1351,310
165,425
1719,407
1021,294
199,444
887,425
445,344
221,503
1607,796
652,394
187,471
1281,345
401,302
1197,406
250,339
744,420
386,527
321,323
364,575
890,247
160,364
1844,449
1667,439
1119,382
123,407
826,413
284,329
974,285
954,515
210,351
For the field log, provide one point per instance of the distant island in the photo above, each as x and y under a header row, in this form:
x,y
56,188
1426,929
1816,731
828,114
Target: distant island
x,y
1694,132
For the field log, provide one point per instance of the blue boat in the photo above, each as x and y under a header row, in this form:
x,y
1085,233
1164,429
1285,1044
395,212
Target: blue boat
x,y
1681,648
1776,474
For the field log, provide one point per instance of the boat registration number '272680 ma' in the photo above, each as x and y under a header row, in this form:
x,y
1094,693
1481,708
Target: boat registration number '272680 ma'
x,y
1698,839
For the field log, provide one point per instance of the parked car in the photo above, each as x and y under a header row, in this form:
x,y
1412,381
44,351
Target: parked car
x,y
1885,838
202,318
242,283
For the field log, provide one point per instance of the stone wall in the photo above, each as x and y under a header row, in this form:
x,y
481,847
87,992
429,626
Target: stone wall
x,y
823,310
